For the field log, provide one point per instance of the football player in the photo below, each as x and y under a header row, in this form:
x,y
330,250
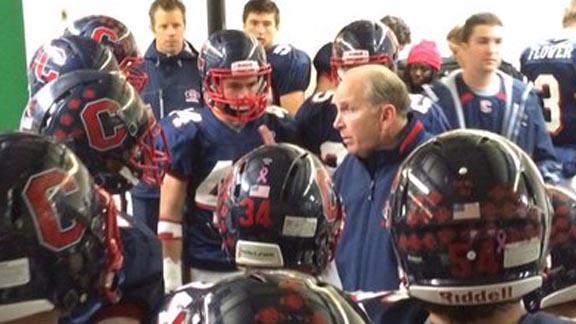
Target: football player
x,y
113,33
277,209
59,246
550,64
470,222
204,142
101,117
290,66
322,57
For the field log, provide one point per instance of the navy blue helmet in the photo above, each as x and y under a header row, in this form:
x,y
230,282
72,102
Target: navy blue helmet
x,y
114,34
279,297
104,120
66,54
470,220
58,232
278,209
230,54
560,280
363,42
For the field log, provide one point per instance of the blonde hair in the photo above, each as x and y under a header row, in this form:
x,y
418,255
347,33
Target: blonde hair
x,y
569,17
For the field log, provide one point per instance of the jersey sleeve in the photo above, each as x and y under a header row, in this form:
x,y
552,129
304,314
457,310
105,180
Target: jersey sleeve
x,y
181,132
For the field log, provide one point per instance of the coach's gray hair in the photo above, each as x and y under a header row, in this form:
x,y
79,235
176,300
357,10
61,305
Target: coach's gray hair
x,y
384,86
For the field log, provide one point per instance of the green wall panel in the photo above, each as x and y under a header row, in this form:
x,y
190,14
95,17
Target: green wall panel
x,y
13,91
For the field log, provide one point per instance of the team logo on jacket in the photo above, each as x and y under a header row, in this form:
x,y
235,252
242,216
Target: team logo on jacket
x,y
192,96
485,106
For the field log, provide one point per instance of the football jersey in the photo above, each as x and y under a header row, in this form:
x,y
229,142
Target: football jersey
x,y
290,70
202,148
551,66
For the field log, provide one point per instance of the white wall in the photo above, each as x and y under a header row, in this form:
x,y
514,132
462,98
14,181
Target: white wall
x,y
308,24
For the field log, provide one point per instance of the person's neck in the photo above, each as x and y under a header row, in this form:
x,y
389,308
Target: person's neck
x,y
477,80
395,132
45,317
509,315
565,309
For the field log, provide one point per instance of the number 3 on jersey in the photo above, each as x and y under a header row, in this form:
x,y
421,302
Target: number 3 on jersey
x,y
549,91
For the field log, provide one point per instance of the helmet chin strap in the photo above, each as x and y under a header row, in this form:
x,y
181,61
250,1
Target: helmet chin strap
x,y
128,175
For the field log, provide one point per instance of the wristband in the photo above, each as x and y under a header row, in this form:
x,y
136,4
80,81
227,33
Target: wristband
x,y
168,230
172,274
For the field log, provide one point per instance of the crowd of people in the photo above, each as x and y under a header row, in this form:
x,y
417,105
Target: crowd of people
x,y
203,186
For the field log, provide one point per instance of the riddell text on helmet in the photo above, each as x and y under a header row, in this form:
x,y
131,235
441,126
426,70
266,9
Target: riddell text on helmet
x,y
484,296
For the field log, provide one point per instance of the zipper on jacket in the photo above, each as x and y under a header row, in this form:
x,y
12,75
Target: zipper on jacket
x,y
161,95
371,194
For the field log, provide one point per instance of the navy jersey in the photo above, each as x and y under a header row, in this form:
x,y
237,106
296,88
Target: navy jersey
x,y
202,147
322,60
141,282
364,257
551,66
513,112
290,70
315,119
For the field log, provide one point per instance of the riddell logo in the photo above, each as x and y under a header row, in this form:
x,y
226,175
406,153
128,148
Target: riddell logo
x,y
487,296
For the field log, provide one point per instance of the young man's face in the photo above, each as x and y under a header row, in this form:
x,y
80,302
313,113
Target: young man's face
x,y
169,29
262,26
420,74
482,50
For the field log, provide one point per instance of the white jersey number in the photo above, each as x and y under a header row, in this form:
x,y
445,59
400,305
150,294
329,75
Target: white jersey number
x,y
551,102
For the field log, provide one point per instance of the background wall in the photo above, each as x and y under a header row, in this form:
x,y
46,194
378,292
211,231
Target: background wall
x,y
306,24
13,93
318,23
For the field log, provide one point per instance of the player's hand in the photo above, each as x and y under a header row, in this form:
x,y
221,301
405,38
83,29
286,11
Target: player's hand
x,y
267,135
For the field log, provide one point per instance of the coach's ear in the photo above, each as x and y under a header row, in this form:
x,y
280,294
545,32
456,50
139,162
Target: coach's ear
x,y
267,135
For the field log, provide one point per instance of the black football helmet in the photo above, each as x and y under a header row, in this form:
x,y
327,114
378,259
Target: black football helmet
x,y
230,54
66,54
103,119
470,220
277,208
560,280
363,42
279,297
58,233
113,33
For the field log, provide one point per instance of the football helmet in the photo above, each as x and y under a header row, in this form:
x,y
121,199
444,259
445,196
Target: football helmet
x,y
264,297
277,208
560,280
470,220
117,36
103,119
66,54
363,42
58,233
233,54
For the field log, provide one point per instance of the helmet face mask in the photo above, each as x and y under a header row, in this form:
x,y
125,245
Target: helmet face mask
x,y
106,123
279,199
469,218
362,42
56,227
236,76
